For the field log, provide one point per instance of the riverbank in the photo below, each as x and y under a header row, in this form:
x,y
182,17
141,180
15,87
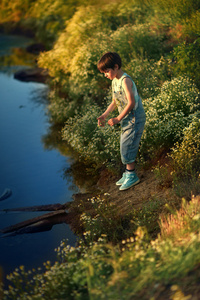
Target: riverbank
x,y
149,192
147,201
142,243
139,267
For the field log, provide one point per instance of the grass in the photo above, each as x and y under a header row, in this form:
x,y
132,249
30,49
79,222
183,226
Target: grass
x,y
137,268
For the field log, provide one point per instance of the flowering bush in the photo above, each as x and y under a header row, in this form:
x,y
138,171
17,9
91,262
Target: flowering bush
x,y
148,75
85,79
79,72
92,142
168,114
137,40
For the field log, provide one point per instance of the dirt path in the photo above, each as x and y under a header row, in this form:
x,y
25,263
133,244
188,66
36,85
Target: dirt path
x,y
148,188
148,195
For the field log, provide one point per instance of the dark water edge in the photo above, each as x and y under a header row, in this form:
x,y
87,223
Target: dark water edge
x,y
36,172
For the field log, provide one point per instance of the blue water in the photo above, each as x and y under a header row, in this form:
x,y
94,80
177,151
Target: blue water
x,y
34,175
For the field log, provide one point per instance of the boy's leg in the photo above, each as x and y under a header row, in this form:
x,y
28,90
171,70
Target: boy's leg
x,y
129,144
124,145
129,178
130,166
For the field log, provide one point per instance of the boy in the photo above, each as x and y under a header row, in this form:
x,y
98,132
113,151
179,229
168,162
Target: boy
x,y
131,115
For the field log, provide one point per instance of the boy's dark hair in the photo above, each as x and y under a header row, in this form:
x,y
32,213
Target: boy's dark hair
x,y
108,61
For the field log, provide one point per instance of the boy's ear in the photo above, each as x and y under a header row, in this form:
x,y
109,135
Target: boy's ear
x,y
116,67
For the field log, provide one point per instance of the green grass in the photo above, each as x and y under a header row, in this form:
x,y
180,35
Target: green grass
x,y
137,267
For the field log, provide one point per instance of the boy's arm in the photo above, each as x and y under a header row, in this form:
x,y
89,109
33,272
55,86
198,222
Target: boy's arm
x,y
127,85
102,118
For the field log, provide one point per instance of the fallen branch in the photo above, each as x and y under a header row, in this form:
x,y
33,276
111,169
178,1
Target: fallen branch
x,y
53,218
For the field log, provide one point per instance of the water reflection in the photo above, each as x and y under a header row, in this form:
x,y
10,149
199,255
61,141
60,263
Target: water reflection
x,y
34,172
17,57
10,42
73,174
13,54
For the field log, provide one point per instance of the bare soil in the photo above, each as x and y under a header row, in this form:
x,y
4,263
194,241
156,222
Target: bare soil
x,y
148,188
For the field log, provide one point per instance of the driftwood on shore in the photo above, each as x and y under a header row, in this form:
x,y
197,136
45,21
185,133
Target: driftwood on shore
x,y
40,223
68,213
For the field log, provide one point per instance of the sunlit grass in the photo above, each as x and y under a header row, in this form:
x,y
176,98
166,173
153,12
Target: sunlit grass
x,y
136,267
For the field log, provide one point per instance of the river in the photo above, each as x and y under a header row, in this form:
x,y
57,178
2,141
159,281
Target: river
x,y
33,172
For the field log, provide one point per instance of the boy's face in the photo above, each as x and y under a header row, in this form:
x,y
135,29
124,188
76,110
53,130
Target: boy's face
x,y
111,73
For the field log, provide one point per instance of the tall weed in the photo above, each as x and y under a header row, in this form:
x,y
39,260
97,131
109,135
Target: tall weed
x,y
186,154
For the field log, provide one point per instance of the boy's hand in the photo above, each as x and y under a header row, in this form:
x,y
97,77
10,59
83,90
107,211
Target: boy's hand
x,y
113,121
101,121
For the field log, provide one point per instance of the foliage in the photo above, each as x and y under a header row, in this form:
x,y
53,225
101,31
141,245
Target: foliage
x,y
60,108
187,57
134,41
177,10
102,219
75,39
47,18
80,72
168,114
186,154
191,26
83,134
99,270
44,18
148,75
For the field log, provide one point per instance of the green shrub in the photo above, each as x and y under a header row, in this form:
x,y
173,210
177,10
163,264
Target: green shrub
x,y
148,75
92,142
167,115
187,57
137,40
191,26
77,38
186,155
178,10
85,79
61,108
